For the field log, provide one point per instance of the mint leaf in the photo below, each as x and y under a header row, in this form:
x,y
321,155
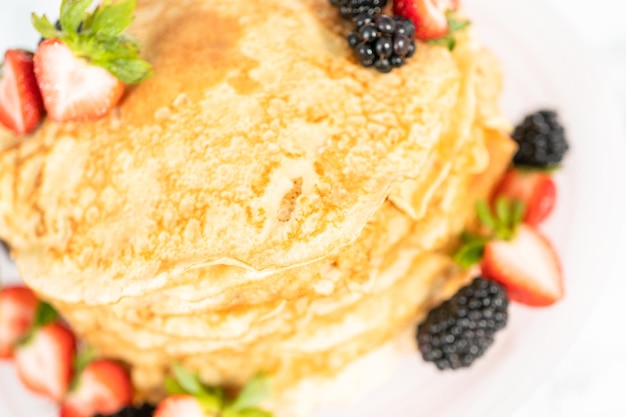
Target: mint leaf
x,y
448,41
456,25
44,27
172,387
503,211
112,18
253,393
484,214
73,13
45,314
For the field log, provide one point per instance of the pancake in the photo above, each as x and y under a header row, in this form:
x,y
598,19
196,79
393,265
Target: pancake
x,y
263,203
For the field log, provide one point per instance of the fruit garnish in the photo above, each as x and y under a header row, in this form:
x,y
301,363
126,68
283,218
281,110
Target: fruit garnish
x,y
513,254
21,105
541,140
18,306
44,359
189,397
103,387
527,266
535,189
461,329
382,41
434,20
83,64
352,8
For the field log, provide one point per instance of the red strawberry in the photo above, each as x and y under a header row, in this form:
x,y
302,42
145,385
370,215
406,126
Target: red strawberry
x,y
104,387
72,88
21,108
428,16
45,360
17,312
178,406
535,189
527,265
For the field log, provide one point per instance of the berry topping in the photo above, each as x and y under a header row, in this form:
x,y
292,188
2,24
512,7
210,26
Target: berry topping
x,y
461,329
44,361
351,8
514,254
541,140
145,410
83,64
383,42
535,189
433,19
18,306
21,107
102,387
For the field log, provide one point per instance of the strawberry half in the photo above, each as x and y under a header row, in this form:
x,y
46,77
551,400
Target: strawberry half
x,y
72,88
428,16
21,106
178,406
44,361
18,306
526,265
534,188
104,387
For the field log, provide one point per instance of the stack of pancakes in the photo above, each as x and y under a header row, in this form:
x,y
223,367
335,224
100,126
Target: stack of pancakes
x,y
263,203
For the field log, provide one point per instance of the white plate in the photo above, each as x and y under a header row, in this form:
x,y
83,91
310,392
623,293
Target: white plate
x,y
544,66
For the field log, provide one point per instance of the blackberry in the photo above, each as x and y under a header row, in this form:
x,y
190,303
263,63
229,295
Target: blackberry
x,y
382,41
541,140
145,410
460,330
352,8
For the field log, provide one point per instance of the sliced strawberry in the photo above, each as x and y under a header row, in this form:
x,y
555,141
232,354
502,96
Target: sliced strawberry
x,y
45,360
428,16
21,107
527,265
536,189
178,406
104,387
72,88
17,312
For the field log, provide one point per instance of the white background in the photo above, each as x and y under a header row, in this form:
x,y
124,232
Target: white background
x,y
589,380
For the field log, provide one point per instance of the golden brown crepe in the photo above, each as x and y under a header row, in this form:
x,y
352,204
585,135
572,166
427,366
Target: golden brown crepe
x,y
262,203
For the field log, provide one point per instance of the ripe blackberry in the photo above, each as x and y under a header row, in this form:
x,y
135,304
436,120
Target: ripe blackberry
x,y
460,330
382,41
145,410
541,140
351,8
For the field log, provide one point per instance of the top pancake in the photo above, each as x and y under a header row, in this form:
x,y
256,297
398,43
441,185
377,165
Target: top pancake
x,y
260,142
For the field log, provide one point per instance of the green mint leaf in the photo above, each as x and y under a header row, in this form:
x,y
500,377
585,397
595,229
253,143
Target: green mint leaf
x,y
253,393
44,27
130,71
187,381
448,41
111,19
173,387
45,314
456,25
83,358
484,214
72,14
471,253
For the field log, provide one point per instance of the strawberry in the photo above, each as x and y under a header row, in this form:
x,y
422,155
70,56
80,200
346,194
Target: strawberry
x,y
21,107
83,63
526,265
179,405
72,88
428,16
17,313
534,188
44,361
103,387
